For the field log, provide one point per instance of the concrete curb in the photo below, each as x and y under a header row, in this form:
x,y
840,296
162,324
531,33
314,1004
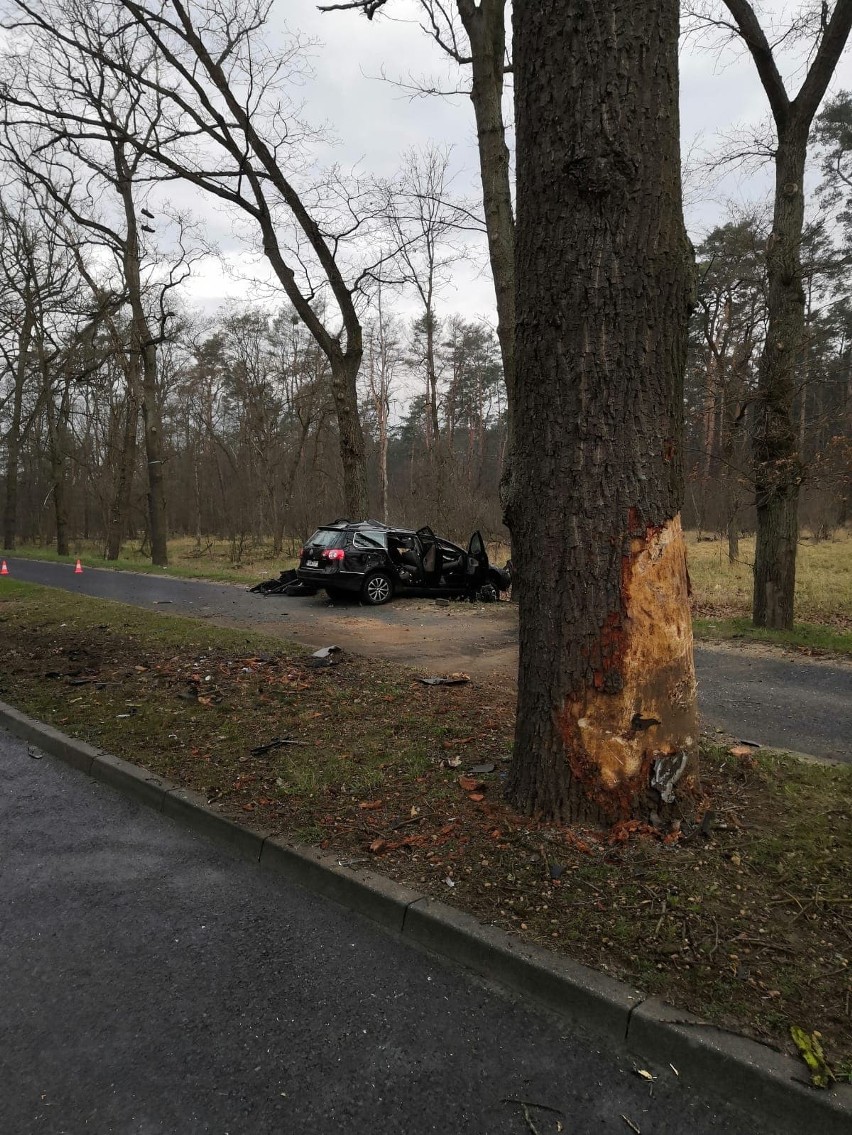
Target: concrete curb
x,y
752,1076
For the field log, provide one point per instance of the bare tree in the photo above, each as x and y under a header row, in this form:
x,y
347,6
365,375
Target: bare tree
x,y
423,222
383,359
233,132
473,34
69,119
37,282
778,470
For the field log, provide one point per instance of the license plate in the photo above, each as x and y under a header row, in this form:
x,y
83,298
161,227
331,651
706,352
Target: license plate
x,y
312,563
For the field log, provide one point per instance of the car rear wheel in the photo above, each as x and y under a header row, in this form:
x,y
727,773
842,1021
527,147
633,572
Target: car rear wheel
x,y
377,589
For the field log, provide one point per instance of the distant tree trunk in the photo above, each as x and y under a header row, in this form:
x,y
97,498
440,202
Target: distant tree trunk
x,y
154,454
485,26
606,724
379,393
119,513
344,376
57,427
144,347
13,435
777,461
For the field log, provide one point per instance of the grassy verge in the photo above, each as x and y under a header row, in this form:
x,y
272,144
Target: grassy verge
x,y
823,580
805,638
748,925
217,560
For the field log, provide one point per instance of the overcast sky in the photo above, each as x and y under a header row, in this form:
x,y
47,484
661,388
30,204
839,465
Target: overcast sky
x,y
374,122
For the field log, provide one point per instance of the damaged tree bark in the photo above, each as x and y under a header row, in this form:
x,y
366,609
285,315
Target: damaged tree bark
x,y
606,725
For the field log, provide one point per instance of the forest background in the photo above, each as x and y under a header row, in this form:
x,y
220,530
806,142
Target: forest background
x,y
240,392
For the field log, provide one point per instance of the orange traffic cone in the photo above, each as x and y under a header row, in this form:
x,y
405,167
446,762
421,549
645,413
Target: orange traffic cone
x,y
78,570
4,570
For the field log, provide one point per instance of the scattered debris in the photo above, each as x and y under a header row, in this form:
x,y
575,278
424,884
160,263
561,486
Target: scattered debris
x,y
275,743
666,772
371,805
162,602
556,870
489,766
34,753
450,882
741,749
288,583
645,1074
751,744
326,656
446,680
674,1069
631,1125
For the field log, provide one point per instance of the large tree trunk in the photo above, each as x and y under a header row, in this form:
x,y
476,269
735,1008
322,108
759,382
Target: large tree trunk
x,y
344,376
606,724
777,462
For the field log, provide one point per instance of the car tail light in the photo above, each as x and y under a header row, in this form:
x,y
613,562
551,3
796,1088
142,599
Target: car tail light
x,y
333,554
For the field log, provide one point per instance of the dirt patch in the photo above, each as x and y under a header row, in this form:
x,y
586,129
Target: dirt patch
x,y
482,639
743,918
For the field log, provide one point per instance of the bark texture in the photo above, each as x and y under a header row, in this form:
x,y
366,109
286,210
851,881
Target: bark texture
x,y
777,461
606,725
486,31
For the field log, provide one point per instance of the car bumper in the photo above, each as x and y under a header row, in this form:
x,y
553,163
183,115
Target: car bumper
x,y
322,577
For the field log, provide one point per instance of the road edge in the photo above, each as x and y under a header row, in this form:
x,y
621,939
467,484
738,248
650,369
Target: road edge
x,y
752,1076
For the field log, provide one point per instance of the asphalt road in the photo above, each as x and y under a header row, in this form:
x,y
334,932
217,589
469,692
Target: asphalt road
x,y
152,985
777,699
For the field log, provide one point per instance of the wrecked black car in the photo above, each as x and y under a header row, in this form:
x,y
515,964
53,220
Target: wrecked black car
x,y
375,561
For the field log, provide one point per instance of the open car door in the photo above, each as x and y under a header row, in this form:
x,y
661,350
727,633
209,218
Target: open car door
x,y
477,562
431,556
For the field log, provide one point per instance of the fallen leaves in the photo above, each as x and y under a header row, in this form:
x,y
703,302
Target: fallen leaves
x,y
470,784
380,846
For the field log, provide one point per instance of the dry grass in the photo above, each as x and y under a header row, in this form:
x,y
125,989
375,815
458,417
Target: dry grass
x,y
823,579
